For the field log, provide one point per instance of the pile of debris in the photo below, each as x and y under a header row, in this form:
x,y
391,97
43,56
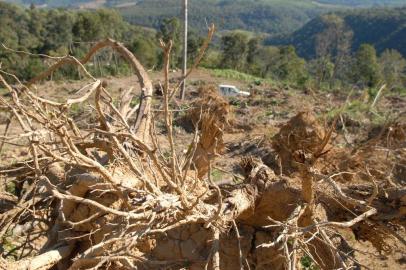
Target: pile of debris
x,y
108,197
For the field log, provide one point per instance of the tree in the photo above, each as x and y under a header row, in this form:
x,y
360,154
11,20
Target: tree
x,y
332,48
36,28
267,58
58,34
87,27
113,25
322,69
254,47
366,68
393,67
292,66
234,50
169,29
146,51
289,66
194,42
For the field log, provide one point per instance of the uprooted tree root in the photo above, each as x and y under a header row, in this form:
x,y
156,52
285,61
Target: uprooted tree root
x,y
209,114
108,197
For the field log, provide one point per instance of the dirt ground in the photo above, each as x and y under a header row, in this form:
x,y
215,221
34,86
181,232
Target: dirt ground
x,y
364,141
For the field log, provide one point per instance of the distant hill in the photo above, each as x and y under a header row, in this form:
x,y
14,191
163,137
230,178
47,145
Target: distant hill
x,y
364,3
382,27
50,3
274,17
268,16
112,3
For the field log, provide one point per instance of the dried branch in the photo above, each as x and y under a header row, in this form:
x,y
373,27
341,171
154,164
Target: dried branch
x,y
44,261
141,126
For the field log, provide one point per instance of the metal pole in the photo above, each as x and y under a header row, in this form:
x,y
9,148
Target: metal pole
x,y
185,28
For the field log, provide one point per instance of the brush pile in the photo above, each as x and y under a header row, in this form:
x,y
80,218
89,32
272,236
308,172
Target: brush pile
x,y
111,195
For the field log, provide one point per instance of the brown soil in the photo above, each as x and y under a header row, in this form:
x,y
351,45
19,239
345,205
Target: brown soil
x,y
270,127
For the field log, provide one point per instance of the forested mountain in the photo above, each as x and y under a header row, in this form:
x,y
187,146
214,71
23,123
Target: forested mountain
x,y
274,17
49,3
352,3
269,16
384,28
363,3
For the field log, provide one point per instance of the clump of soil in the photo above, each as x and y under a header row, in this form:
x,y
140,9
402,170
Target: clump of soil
x,y
208,101
122,197
300,133
210,115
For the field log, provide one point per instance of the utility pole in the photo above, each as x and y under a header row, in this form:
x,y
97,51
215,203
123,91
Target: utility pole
x,y
184,67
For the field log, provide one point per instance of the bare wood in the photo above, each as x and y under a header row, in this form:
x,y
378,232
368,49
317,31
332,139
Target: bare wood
x,y
44,261
378,95
216,247
5,132
237,234
346,224
77,199
92,88
125,102
143,119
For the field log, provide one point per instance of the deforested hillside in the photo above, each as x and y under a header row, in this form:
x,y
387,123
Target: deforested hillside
x,y
95,177
268,160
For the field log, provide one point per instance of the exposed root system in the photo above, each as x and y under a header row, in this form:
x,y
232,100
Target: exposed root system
x,y
113,196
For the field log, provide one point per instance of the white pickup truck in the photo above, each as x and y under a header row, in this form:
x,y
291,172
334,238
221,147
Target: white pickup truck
x,y
232,91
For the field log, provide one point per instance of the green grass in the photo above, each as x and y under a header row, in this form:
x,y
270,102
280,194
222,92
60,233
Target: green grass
x,y
3,91
308,264
216,175
397,92
76,110
360,111
239,76
134,102
7,246
11,187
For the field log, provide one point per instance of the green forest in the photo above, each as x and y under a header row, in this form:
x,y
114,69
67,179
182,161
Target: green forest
x,y
382,27
356,3
364,3
364,48
267,16
58,32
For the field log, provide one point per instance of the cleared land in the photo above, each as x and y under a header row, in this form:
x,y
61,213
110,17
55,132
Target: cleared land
x,y
320,174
